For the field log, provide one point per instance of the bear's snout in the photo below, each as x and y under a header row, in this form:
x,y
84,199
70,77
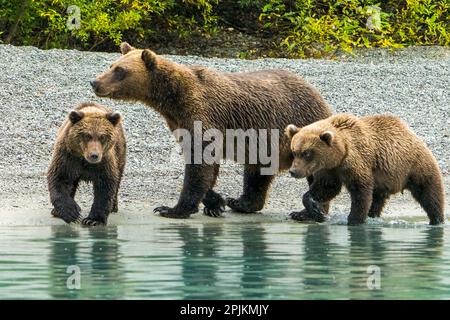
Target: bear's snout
x,y
93,152
99,88
294,173
94,84
94,157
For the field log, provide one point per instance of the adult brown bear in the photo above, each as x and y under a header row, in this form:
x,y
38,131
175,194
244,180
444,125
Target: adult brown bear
x,y
269,99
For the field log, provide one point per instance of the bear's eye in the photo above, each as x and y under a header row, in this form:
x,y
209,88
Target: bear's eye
x,y
87,136
103,138
307,154
119,73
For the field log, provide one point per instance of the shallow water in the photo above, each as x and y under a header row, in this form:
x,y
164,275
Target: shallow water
x,y
226,261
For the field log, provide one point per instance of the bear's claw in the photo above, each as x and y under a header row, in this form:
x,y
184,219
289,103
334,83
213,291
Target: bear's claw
x,y
68,214
240,205
214,204
214,212
168,212
305,216
91,222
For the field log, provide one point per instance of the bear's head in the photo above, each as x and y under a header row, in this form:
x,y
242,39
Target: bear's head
x,y
314,147
92,133
129,76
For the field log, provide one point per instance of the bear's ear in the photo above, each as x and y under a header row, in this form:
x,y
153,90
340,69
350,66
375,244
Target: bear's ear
x,y
125,47
291,130
149,58
327,137
75,116
113,117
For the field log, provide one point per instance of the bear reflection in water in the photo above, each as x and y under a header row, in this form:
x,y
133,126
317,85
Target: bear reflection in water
x,y
231,261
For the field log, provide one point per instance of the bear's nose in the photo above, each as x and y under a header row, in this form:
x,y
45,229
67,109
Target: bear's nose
x,y
94,157
293,173
94,84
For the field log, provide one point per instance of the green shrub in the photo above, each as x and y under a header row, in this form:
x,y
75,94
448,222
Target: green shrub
x,y
314,28
103,22
296,28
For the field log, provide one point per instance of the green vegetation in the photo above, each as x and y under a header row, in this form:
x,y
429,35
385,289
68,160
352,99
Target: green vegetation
x,y
317,27
287,28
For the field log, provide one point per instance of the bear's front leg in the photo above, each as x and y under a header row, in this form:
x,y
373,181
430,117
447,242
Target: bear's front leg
x,y
105,190
361,195
314,210
256,187
62,191
197,181
323,187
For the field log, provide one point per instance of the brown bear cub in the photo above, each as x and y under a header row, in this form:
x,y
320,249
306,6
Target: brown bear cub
x,y
374,157
268,99
90,146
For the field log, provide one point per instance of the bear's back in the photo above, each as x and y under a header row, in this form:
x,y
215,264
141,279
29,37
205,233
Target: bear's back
x,y
260,99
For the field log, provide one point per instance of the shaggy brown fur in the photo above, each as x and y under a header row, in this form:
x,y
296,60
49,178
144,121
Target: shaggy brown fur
x,y
184,94
374,157
90,146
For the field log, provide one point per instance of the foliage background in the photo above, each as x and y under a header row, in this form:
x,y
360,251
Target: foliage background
x,y
298,28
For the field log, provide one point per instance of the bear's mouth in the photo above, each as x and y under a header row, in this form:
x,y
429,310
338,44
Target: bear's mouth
x,y
298,175
92,160
102,94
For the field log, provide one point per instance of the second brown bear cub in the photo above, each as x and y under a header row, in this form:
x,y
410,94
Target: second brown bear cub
x,y
374,157
90,146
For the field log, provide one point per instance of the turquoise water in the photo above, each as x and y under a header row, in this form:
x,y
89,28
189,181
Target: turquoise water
x,y
226,261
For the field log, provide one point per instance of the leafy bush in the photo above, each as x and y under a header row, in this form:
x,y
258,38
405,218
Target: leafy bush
x,y
313,28
103,22
296,28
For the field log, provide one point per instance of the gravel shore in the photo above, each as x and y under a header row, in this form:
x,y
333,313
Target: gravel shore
x,y
39,87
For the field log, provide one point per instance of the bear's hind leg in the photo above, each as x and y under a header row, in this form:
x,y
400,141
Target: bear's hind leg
x,y
379,199
430,196
115,207
213,202
361,195
256,186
